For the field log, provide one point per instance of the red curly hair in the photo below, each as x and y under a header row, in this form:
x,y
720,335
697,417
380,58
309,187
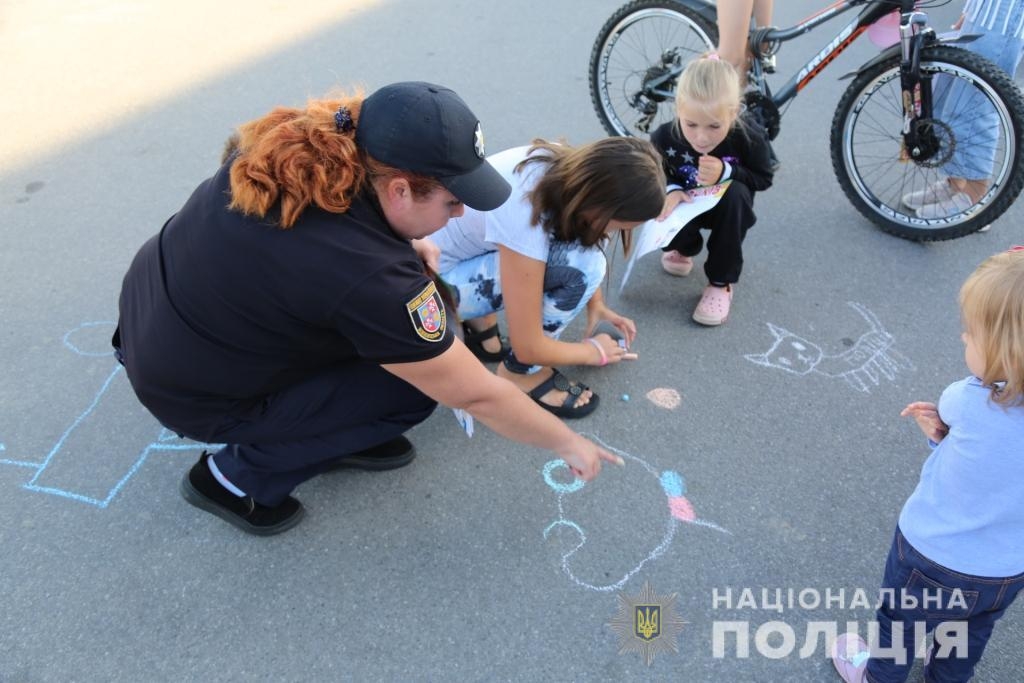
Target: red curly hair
x,y
297,157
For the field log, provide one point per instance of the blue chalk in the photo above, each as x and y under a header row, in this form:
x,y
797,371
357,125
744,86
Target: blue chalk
x,y
673,484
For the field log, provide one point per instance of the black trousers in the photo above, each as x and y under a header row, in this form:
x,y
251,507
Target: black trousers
x,y
728,222
305,429
301,431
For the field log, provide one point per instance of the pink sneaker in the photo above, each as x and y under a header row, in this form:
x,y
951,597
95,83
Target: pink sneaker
x,y
713,308
676,264
850,656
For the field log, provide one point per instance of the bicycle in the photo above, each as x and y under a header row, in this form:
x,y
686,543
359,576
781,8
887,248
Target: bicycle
x,y
895,128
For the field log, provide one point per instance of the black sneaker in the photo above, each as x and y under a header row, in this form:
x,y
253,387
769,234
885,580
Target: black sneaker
x,y
200,488
398,452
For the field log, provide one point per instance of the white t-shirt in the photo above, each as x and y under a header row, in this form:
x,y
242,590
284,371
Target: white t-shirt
x,y
479,232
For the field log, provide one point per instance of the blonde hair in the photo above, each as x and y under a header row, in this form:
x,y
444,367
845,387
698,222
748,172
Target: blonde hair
x,y
992,305
709,84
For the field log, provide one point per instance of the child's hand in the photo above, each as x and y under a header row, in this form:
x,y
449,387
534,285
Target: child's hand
x,y
927,417
709,169
672,200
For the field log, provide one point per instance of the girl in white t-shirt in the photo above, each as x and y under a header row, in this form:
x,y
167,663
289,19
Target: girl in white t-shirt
x,y
539,258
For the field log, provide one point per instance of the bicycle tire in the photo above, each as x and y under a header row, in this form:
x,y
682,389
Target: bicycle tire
x,y
876,175
631,49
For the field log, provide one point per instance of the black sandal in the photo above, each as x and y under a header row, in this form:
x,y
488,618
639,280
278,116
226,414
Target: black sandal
x,y
474,341
568,409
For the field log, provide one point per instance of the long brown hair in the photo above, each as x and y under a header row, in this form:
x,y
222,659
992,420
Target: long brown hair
x,y
583,188
297,157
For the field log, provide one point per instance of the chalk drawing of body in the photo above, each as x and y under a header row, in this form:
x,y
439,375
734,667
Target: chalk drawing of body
x,y
665,491
85,458
869,358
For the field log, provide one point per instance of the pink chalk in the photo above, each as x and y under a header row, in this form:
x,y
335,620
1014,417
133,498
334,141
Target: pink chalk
x,y
681,509
669,399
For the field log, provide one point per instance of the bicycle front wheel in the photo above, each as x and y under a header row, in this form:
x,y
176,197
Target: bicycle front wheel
x,y
974,134
636,59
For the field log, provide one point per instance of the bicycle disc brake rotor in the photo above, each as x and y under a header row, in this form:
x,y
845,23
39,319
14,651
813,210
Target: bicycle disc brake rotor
x,y
935,143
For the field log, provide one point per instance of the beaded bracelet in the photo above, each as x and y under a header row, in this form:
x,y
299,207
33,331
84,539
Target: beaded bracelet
x,y
600,349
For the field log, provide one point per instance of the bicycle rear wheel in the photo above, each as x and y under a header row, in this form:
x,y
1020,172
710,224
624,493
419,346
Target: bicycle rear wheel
x,y
977,125
636,58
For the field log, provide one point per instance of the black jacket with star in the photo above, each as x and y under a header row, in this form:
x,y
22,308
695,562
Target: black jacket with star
x,y
745,148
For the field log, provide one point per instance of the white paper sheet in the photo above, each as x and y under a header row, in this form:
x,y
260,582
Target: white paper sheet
x,y
655,234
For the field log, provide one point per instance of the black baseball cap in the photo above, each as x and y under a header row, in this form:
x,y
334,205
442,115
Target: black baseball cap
x,y
428,129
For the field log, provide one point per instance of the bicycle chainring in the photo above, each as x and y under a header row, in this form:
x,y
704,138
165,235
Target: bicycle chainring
x,y
764,111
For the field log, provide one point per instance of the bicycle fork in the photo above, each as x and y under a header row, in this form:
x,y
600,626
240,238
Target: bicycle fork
x,y
919,141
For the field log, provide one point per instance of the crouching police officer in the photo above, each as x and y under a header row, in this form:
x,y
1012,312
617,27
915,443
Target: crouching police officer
x,y
284,310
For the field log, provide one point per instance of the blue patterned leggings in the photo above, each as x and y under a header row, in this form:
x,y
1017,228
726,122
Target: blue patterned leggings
x,y
572,275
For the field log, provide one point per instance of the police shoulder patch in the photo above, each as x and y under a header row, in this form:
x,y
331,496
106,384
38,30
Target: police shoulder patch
x,y
426,310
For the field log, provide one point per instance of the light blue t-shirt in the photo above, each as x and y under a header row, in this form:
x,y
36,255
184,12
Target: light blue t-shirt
x,y
967,512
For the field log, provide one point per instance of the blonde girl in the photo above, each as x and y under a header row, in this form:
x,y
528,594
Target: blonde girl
x,y
711,142
960,535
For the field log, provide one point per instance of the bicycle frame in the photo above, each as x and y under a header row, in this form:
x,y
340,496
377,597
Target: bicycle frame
x,y
874,10
919,141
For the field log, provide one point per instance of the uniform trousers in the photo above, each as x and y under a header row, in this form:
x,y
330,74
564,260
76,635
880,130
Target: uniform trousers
x,y
309,427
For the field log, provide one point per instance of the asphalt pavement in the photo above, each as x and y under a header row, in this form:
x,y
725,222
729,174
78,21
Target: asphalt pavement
x,y
758,500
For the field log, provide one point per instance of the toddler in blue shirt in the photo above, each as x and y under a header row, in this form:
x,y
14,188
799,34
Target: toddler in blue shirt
x,y
957,558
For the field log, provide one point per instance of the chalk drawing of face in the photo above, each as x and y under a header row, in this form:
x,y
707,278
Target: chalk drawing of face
x,y
632,519
862,364
790,352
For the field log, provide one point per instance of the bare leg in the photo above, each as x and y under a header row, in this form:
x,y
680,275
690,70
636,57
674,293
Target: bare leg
x,y
974,189
763,12
734,28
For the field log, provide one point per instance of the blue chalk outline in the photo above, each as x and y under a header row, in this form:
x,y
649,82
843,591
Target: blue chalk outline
x,y
559,487
672,484
71,495
94,354
159,445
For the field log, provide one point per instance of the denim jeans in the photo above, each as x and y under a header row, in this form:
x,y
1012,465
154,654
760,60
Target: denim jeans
x,y
973,120
910,574
571,276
